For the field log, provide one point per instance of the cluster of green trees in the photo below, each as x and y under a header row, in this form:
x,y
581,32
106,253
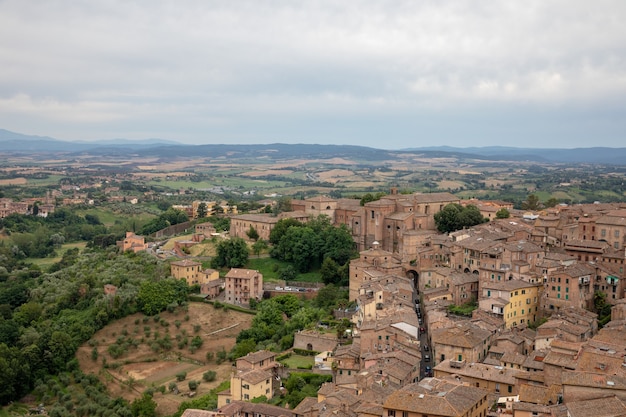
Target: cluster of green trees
x,y
168,218
307,245
270,330
456,217
38,237
45,317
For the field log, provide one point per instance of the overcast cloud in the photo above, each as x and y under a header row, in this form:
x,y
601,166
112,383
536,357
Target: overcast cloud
x,y
387,74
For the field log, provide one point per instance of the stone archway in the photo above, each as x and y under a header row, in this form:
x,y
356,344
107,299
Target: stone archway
x,y
414,276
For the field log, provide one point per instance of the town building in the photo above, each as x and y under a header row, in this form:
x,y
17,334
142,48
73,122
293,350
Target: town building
x,y
242,285
254,377
132,242
437,398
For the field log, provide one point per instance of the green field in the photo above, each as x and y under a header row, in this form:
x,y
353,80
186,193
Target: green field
x,y
271,267
299,362
109,218
45,263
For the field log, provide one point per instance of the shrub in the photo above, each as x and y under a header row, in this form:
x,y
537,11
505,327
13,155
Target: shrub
x,y
181,376
221,357
172,386
209,376
193,385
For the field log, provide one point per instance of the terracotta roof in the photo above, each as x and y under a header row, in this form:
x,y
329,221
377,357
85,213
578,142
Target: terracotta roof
x,y
190,412
539,394
260,218
600,407
593,380
480,371
258,356
560,359
241,273
445,399
185,263
514,358
306,405
255,376
465,335
237,408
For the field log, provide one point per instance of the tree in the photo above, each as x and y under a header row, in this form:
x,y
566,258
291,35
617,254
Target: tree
x,y
447,220
551,202
144,406
252,233
455,217
231,253
209,376
282,205
330,271
288,273
503,213
300,246
259,246
202,210
371,197
155,296
532,203
281,227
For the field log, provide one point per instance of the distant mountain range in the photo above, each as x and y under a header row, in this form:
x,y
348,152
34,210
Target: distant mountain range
x,y
17,143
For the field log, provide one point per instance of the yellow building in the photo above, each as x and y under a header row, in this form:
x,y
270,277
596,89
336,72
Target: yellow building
x,y
253,378
516,301
187,270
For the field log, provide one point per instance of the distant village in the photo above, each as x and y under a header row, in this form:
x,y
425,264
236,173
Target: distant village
x,y
532,345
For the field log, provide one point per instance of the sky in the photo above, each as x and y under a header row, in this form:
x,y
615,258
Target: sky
x,y
386,74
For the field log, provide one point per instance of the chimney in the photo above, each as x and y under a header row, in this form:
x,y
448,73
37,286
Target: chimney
x,y
394,190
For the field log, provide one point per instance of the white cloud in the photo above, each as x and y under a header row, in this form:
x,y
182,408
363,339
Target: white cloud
x,y
207,63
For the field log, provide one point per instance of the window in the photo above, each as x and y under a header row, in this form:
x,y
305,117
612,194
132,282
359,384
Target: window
x,y
616,233
460,358
510,389
391,413
523,291
246,397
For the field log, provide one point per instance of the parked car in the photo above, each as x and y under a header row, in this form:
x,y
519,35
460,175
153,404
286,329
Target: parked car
x,y
422,330
427,357
426,348
428,371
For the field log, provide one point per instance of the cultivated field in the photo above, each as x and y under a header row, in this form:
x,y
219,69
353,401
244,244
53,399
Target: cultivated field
x,y
143,364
